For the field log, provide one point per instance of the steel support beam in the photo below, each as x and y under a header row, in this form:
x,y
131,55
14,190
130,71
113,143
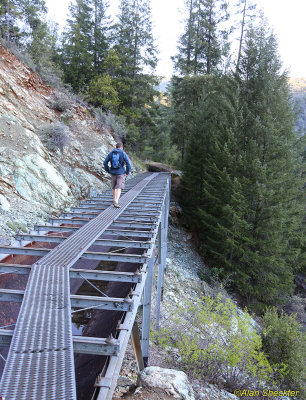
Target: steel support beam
x,y
101,303
116,232
137,346
162,255
95,346
15,269
105,275
99,242
81,344
91,255
95,275
126,213
78,221
107,382
147,312
77,301
123,217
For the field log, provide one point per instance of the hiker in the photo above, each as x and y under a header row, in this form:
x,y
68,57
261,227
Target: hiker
x,y
117,158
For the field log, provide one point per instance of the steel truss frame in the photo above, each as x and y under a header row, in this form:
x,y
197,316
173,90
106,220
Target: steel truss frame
x,y
144,215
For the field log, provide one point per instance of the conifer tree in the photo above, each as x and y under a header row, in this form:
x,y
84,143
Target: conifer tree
x,y
246,11
242,188
38,39
23,22
135,47
271,177
204,42
207,184
185,96
10,14
101,39
202,47
77,56
23,25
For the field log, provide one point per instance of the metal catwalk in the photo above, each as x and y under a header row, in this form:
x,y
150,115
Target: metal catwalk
x,y
40,362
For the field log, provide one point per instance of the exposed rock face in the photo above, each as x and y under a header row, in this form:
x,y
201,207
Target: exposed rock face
x,y
4,204
173,382
32,173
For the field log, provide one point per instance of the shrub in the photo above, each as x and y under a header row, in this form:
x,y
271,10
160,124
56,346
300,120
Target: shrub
x,y
216,343
56,136
16,226
60,102
284,342
103,93
114,123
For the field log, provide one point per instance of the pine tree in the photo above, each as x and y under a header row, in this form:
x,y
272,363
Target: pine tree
x,y
38,38
77,56
10,19
185,96
246,11
183,61
101,39
204,42
135,47
242,187
271,181
202,47
207,184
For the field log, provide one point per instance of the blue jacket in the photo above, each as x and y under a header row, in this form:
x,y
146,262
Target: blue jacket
x,y
121,170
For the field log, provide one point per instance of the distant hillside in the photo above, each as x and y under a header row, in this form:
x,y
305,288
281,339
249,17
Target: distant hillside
x,y
298,86
162,87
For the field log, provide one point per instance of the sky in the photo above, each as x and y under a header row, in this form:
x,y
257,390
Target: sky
x,y
286,18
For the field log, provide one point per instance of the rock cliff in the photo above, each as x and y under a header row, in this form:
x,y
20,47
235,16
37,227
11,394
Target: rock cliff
x,y
51,148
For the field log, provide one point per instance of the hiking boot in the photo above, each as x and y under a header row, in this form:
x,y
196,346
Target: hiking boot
x,y
116,205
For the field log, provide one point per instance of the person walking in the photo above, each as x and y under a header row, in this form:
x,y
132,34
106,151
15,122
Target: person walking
x,y
117,159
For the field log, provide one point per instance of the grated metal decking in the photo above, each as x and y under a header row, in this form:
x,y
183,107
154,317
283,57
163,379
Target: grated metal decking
x,y
40,363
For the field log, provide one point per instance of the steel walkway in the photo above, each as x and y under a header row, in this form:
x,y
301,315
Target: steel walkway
x,y
40,362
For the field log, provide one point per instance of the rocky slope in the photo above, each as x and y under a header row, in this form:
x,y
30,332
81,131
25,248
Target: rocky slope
x,y
182,285
51,148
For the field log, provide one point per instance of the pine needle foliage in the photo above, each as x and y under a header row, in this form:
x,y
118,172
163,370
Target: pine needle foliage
x,y
242,186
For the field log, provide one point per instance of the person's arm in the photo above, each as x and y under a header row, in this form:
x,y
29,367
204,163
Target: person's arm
x,y
106,161
127,163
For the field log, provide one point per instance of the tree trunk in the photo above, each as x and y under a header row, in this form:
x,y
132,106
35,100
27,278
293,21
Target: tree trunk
x,y
208,66
189,37
241,35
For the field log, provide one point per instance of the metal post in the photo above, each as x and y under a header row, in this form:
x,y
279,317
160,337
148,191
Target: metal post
x,y
161,267
137,346
162,253
167,206
146,312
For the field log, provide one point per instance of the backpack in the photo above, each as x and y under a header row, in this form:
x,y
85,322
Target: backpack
x,y
115,159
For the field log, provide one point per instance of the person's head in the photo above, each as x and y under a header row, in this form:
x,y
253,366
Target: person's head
x,y
119,145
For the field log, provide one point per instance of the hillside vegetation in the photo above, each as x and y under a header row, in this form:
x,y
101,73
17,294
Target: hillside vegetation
x,y
228,121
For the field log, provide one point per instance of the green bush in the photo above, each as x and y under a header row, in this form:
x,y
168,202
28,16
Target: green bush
x,y
218,344
284,342
16,226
